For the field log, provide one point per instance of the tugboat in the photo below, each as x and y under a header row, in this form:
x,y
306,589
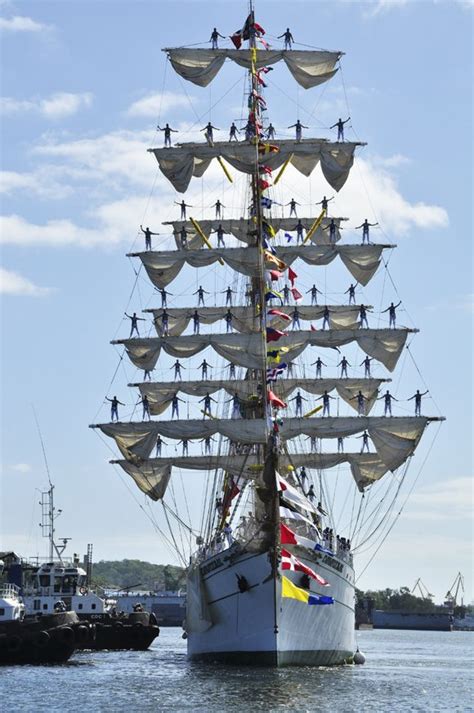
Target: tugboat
x,y
61,583
52,638
68,582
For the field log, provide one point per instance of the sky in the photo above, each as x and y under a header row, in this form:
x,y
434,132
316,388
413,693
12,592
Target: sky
x,y
83,86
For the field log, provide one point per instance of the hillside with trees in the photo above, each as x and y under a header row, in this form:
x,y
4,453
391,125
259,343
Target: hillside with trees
x,y
138,575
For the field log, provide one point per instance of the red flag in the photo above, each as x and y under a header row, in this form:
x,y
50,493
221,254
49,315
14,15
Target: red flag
x,y
273,335
259,28
264,184
232,491
313,329
275,275
274,400
278,313
289,561
265,169
296,294
287,536
292,276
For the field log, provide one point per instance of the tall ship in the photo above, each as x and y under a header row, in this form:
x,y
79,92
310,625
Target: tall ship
x,y
271,440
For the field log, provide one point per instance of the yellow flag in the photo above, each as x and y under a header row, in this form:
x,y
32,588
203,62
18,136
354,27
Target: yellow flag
x,y
282,169
291,591
315,226
204,237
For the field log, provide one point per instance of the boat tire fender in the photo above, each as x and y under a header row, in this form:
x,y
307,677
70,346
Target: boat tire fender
x,y
41,639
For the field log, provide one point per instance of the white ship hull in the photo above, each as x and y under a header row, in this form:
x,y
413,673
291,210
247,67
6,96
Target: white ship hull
x,y
258,626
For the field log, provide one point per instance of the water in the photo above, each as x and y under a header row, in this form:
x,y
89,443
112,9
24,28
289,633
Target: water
x,y
405,671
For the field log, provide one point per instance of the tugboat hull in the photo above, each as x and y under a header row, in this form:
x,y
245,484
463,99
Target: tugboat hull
x,y
135,632
43,640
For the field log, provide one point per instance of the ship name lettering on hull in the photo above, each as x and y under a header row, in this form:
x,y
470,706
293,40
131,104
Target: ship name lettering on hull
x,y
332,563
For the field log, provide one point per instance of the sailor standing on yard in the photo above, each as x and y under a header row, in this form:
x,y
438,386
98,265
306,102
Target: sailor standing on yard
x,y
292,205
228,319
148,233
220,235
365,442
417,398
286,295
164,295
233,131
392,313
324,203
363,316
298,129
325,397
196,322
200,292
167,132
288,38
326,318
387,397
134,323
314,294
319,363
352,293
114,407
340,128
146,407
204,366
299,403
344,364
332,227
366,364
218,206
175,406
183,207
365,230
361,401
271,132
228,296
208,129
159,442
214,37
206,401
177,370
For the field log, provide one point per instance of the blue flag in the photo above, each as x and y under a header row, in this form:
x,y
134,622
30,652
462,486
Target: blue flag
x,y
320,599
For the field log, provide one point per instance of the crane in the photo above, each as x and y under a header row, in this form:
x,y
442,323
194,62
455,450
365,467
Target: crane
x,y
457,585
422,588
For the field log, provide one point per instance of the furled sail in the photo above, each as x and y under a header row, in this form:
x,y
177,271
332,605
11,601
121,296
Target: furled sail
x,y
245,320
395,439
246,350
162,267
199,66
242,228
180,164
366,468
161,394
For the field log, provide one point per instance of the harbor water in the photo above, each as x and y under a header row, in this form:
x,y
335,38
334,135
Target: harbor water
x,y
404,671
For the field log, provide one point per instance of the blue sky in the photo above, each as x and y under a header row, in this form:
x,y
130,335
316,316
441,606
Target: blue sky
x,y
83,85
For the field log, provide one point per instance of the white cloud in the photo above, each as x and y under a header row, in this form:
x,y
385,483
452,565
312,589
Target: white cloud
x,y
394,161
45,182
449,500
383,6
57,106
114,223
14,285
154,105
22,24
372,192
21,467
